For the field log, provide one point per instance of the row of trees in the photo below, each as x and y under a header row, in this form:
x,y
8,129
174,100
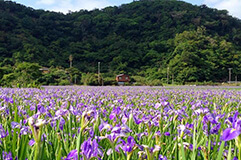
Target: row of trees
x,y
32,75
28,74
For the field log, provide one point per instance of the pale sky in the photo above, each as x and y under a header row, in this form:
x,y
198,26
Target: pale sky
x,y
233,6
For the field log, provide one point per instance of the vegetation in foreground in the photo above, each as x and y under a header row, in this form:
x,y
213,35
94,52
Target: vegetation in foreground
x,y
119,123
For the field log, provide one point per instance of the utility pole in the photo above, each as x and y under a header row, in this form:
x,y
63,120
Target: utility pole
x,y
75,78
230,74
99,73
167,74
172,78
70,61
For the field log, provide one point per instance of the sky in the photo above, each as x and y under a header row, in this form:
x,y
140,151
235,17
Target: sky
x,y
233,6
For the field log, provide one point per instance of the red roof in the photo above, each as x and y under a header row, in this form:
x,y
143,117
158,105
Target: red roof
x,y
122,78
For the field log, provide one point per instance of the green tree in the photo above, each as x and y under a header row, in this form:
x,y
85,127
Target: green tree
x,y
89,79
198,57
24,74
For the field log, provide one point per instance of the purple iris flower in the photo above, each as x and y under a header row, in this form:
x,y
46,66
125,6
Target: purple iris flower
x,y
3,133
129,145
90,115
136,119
61,112
121,129
31,142
183,130
215,129
61,123
91,132
190,146
15,125
211,124
161,157
167,134
32,107
115,111
209,118
149,151
7,156
90,149
229,134
41,109
124,119
24,130
119,145
73,155
234,131
104,125
157,105
140,135
164,103
235,158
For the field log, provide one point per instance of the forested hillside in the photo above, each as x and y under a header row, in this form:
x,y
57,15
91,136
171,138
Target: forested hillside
x,y
145,39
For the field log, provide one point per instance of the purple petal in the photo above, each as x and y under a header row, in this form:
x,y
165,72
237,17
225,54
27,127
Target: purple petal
x,y
229,134
73,155
31,142
15,125
112,116
130,140
167,134
235,158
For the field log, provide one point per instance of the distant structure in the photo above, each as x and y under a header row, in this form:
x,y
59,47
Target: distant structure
x,y
44,70
122,79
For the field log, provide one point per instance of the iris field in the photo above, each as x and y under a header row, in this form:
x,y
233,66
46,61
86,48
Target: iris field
x,y
118,123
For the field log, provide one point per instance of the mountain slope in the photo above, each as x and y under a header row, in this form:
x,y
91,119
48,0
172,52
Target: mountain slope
x,y
136,38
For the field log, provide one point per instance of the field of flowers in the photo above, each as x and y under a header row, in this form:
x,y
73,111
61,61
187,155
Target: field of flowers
x,y
115,123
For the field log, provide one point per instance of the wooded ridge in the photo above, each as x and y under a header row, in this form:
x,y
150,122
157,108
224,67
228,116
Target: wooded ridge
x,y
145,39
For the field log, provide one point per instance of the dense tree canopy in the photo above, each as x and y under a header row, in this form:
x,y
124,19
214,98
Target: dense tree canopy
x,y
142,38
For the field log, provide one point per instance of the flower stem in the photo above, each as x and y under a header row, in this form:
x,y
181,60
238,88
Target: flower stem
x,y
239,153
37,151
128,156
79,142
